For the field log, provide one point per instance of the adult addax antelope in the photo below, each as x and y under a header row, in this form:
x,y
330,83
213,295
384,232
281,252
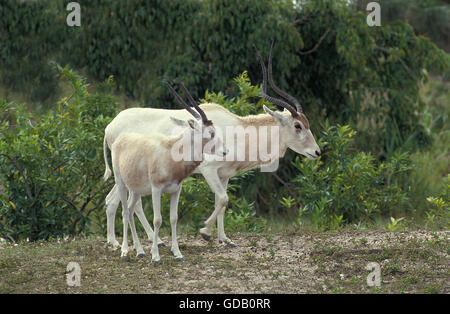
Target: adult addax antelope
x,y
294,133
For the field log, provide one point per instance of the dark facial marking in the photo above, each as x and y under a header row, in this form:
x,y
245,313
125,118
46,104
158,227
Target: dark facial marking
x,y
207,123
301,117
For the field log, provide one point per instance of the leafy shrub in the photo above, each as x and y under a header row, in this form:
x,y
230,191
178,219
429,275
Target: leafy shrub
x,y
395,224
242,104
438,214
344,186
51,166
241,213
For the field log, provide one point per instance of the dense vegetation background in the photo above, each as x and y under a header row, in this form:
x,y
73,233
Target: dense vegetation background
x,y
377,99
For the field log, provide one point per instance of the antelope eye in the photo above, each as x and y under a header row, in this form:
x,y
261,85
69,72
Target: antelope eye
x,y
298,126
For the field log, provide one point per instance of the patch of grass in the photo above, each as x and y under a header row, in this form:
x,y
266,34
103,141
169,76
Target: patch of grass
x,y
434,288
407,265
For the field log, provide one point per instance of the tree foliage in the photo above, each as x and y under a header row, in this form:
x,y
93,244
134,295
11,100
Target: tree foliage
x,y
428,17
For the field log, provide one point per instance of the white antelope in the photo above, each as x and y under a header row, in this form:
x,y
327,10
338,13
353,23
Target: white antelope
x,y
294,133
145,164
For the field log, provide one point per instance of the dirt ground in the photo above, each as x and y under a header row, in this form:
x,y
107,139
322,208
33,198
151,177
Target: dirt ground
x,y
290,262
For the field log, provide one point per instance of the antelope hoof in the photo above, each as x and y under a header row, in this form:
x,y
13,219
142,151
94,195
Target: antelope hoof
x,y
228,243
124,258
162,244
141,255
180,259
204,235
114,245
158,262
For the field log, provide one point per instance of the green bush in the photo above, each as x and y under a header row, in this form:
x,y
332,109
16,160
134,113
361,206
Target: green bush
x,y
438,213
344,186
51,166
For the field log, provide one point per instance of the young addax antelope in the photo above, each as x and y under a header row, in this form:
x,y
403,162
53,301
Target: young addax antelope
x,y
145,164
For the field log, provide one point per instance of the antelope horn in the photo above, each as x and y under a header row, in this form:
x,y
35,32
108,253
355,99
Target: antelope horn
x,y
278,90
273,100
195,104
182,102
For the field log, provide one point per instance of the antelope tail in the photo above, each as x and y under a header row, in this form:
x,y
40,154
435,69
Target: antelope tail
x,y
107,169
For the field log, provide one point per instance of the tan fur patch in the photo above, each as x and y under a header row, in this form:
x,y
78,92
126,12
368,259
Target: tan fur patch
x,y
212,106
258,120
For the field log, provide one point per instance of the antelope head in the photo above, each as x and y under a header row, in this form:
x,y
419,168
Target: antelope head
x,y
201,127
293,124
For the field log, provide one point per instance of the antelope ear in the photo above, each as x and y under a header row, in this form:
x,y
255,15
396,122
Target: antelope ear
x,y
194,124
278,116
179,122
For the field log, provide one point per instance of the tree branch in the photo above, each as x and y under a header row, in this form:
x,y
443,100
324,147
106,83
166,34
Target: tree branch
x,y
388,52
283,182
317,44
278,178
